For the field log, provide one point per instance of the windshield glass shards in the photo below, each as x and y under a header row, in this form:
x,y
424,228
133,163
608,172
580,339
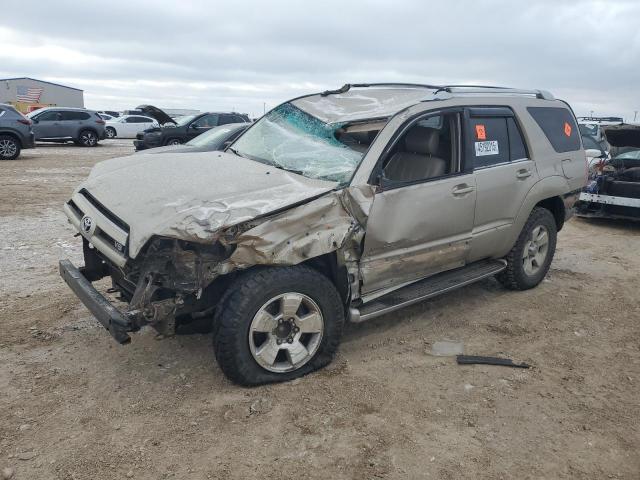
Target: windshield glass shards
x,y
291,139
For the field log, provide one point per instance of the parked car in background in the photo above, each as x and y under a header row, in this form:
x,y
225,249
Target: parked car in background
x,y
218,138
15,132
614,187
183,129
128,126
111,113
57,124
106,117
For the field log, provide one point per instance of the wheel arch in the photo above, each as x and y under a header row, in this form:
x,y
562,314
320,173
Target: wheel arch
x,y
546,193
13,135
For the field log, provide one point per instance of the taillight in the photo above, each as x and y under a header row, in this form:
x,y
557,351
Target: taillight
x,y
100,122
24,121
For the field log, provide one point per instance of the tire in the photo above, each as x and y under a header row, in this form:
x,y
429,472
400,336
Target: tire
x,y
87,138
110,132
9,147
255,303
174,141
528,261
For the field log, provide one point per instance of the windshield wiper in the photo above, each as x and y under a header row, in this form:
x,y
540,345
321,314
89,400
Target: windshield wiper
x,y
282,167
237,153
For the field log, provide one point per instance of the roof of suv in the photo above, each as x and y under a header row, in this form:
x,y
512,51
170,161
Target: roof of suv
x,y
368,101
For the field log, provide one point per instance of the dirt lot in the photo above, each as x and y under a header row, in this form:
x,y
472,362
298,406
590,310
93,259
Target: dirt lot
x,y
75,405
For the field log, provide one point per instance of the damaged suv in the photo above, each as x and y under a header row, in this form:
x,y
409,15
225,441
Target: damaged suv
x,y
333,207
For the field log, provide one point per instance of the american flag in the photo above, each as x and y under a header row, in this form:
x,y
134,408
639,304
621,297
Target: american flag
x,y
28,94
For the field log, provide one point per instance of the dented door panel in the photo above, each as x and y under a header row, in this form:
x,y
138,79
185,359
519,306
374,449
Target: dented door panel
x,y
416,231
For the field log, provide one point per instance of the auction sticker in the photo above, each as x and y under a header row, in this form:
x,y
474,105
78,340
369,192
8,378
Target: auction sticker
x,y
487,148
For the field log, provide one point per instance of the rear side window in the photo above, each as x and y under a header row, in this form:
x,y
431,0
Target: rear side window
x,y
489,143
70,115
559,126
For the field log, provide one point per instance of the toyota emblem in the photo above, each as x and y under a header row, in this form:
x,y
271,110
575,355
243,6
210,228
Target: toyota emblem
x,y
87,224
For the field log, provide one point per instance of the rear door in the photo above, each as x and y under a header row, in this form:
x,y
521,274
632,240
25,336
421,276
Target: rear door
x,y
71,123
504,174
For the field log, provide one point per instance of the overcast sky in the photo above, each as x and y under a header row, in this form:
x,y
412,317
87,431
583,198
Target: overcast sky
x,y
241,54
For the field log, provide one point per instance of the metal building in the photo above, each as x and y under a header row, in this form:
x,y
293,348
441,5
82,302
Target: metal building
x,y
27,94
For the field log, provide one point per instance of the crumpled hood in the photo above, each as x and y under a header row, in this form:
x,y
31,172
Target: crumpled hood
x,y
193,197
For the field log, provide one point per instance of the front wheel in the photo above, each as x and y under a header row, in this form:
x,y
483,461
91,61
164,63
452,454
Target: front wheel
x,y
530,258
9,148
277,324
174,141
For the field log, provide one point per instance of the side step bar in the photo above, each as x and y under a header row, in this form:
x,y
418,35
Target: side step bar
x,y
427,288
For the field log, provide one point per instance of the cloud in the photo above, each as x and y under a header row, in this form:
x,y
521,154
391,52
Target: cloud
x,y
242,54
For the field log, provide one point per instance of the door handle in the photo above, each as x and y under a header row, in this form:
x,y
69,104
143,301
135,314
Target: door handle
x,y
462,189
523,173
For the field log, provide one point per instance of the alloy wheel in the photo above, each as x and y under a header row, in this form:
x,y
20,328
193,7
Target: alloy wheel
x,y
535,250
286,332
8,148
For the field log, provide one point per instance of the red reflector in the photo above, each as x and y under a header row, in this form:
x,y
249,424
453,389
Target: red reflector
x,y
24,121
100,122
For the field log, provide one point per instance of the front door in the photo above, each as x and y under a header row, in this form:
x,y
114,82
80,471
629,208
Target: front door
x,y
420,222
48,124
201,125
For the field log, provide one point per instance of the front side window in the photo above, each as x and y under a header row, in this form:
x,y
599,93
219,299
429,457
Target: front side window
x,y
427,149
207,121
291,139
50,116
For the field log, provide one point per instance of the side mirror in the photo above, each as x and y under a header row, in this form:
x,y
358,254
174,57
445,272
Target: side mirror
x,y
593,153
226,144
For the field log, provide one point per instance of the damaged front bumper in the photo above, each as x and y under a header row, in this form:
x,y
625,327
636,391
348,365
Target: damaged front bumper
x,y
109,316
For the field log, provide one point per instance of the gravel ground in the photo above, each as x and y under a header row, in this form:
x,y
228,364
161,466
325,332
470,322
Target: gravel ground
x,y
75,405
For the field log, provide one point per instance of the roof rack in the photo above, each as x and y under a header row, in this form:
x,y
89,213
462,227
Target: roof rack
x,y
542,94
348,86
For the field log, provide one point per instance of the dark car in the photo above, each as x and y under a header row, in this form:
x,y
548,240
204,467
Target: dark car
x,y
15,132
183,129
218,138
57,124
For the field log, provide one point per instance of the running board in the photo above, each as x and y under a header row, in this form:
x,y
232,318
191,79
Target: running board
x,y
427,288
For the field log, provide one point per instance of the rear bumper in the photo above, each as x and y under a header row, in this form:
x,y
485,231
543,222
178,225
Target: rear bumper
x,y
109,316
29,141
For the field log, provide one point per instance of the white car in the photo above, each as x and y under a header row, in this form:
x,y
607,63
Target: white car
x,y
128,126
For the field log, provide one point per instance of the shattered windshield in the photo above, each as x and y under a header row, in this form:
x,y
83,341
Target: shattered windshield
x,y
293,140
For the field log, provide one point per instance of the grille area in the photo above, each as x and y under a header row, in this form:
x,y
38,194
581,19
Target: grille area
x,y
108,233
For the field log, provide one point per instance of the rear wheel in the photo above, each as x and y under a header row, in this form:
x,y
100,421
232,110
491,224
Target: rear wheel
x,y
110,132
530,258
277,324
9,147
87,138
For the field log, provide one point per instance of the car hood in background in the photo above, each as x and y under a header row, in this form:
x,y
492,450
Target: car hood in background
x,y
623,135
156,113
192,198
